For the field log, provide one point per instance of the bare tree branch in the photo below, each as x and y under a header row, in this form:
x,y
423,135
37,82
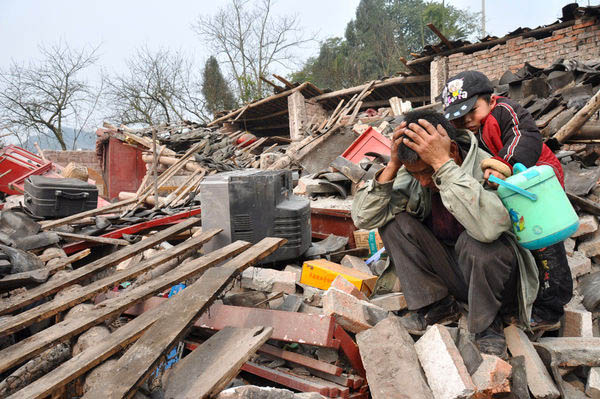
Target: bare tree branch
x,y
159,87
42,96
250,42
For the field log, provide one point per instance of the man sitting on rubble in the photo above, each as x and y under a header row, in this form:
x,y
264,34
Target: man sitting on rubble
x,y
448,236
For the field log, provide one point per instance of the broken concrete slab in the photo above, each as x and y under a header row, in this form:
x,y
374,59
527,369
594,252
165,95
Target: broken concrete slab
x,y
446,372
492,376
346,286
351,313
391,362
576,323
269,280
392,302
573,351
539,381
592,388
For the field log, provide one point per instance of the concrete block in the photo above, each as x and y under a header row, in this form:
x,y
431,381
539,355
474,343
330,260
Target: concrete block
x,y
492,376
311,295
444,367
592,388
587,224
391,362
391,302
344,285
539,381
569,246
577,323
269,280
351,313
308,186
591,246
579,264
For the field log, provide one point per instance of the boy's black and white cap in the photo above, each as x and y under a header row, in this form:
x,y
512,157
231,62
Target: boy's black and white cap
x,y
461,92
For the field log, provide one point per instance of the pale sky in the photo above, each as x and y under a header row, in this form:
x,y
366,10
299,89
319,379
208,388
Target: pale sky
x,y
121,26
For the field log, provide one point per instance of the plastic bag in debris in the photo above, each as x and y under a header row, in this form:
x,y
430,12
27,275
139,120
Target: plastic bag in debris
x,y
556,283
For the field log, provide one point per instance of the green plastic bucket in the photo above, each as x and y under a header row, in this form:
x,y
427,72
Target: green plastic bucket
x,y
539,209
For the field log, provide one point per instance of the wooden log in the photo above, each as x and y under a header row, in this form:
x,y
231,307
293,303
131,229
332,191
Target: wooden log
x,y
141,358
49,309
31,346
209,368
190,165
439,34
18,301
585,204
571,127
101,240
123,195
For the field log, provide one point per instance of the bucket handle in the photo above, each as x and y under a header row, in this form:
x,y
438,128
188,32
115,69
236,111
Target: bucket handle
x,y
512,187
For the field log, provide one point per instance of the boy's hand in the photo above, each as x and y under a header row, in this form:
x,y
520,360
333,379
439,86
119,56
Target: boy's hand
x,y
431,143
486,175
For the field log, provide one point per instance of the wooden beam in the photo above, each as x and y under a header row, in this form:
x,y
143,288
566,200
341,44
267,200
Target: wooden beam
x,y
18,301
143,356
283,80
378,84
35,344
64,262
277,88
209,368
82,294
46,225
573,125
259,102
101,240
439,34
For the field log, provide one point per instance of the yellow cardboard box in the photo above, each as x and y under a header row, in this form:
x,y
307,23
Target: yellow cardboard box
x,y
320,273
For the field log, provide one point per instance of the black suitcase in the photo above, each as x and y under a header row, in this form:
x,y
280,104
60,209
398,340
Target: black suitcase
x,y
57,197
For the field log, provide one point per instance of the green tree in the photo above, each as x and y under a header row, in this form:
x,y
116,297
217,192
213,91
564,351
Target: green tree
x,y
216,91
381,33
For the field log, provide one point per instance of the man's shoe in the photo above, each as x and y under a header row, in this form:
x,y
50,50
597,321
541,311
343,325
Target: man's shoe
x,y
491,341
444,312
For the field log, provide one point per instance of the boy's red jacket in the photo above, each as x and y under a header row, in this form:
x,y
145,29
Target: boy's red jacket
x,y
510,134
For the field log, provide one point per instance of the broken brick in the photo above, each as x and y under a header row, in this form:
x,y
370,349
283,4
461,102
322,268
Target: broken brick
x,y
579,264
587,224
391,302
576,323
539,381
569,246
350,312
592,388
344,285
269,280
591,246
492,376
444,367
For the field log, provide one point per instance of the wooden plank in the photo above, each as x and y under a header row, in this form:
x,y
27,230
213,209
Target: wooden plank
x,y
67,261
31,346
573,125
101,240
301,359
209,368
49,309
585,204
46,225
143,356
439,34
18,301
543,121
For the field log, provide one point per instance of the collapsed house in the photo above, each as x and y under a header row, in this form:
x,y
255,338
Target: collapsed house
x,y
200,274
